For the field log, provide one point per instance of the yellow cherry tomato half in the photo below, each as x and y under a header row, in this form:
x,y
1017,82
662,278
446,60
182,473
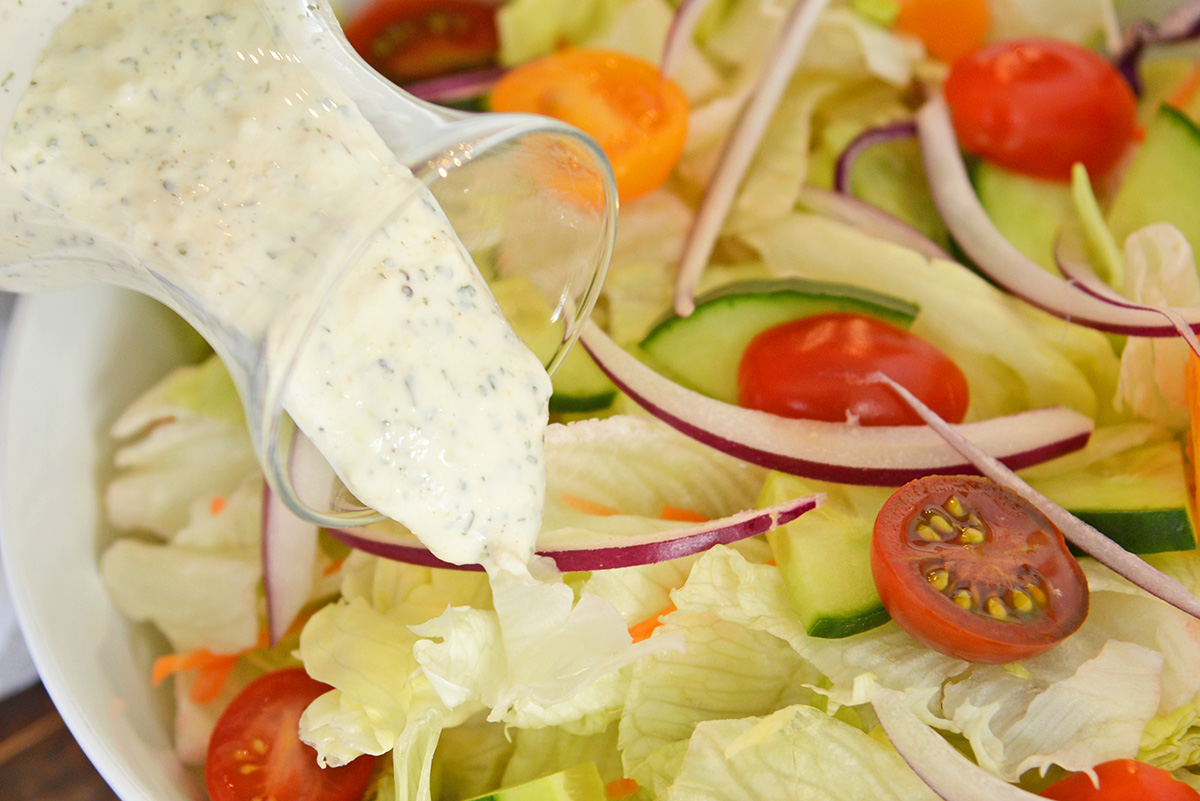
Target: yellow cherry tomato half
x,y
637,115
948,28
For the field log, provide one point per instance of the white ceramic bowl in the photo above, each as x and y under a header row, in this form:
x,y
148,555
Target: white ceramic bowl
x,y
73,360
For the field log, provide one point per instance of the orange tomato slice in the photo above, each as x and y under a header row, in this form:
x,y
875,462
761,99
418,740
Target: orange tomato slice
x,y
637,115
949,28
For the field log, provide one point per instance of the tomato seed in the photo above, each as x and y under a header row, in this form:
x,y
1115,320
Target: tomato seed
x,y
972,535
1021,602
955,507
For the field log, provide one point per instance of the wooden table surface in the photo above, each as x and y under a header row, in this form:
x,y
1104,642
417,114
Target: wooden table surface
x,y
39,759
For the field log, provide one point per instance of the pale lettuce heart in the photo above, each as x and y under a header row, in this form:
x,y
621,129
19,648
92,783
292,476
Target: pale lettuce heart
x,y
183,441
541,657
542,751
1035,717
640,28
724,670
200,590
367,657
1086,700
532,28
1160,271
636,467
798,753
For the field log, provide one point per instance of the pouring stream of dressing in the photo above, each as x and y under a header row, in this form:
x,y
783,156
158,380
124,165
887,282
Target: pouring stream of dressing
x,y
189,134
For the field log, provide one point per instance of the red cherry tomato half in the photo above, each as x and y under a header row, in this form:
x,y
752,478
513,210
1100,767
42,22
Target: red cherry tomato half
x,y
1122,779
255,751
408,40
1038,106
972,569
812,368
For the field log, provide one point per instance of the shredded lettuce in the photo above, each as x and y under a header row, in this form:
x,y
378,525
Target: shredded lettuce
x,y
798,753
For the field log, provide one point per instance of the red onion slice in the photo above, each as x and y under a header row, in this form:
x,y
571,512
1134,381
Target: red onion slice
x,y
998,258
839,452
596,551
844,168
872,219
1088,539
739,150
289,558
1081,275
457,87
1179,25
683,26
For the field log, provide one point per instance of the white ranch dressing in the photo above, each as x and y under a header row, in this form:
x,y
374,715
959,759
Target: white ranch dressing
x,y
181,129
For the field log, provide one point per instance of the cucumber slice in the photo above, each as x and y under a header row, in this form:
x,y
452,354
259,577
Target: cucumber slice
x,y
702,351
1139,498
579,783
825,555
1161,182
1028,211
579,385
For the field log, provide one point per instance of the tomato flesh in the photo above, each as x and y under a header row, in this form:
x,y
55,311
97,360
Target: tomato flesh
x,y
812,368
1119,780
255,751
409,40
974,570
637,115
1038,106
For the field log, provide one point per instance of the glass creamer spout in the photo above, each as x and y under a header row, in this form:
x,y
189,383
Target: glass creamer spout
x,y
339,243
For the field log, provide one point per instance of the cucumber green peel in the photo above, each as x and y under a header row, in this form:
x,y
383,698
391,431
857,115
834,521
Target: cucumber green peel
x,y
702,351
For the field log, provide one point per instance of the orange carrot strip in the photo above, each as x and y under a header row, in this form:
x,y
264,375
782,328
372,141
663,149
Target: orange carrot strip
x,y
1187,89
212,677
216,506
212,669
171,664
334,566
682,515
640,631
620,788
586,506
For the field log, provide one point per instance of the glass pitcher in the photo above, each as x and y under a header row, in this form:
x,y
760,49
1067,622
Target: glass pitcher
x,y
254,215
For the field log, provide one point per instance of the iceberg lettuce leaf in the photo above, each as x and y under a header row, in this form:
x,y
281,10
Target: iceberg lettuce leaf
x,y
798,753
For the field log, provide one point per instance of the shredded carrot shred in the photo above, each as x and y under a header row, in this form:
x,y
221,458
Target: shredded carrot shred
x,y
1186,91
212,669
620,788
682,515
216,506
334,566
640,631
586,506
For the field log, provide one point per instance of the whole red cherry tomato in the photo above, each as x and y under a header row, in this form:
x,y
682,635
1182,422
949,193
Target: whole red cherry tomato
x,y
408,40
255,751
972,569
1038,106
812,368
1122,779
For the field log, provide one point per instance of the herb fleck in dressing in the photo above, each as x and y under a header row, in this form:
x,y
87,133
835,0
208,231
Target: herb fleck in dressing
x,y
186,132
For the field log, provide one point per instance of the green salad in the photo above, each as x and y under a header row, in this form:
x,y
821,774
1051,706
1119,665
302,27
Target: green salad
x,y
768,663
